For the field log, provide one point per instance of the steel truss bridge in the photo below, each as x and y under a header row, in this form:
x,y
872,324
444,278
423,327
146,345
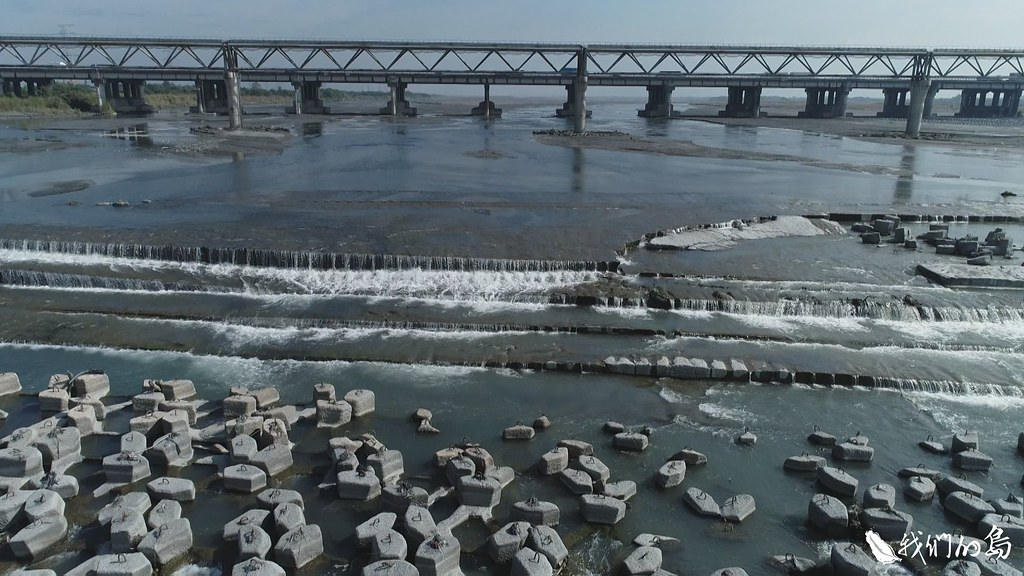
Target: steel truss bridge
x,y
83,58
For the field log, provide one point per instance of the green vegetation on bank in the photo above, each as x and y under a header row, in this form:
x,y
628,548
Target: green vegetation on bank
x,y
63,98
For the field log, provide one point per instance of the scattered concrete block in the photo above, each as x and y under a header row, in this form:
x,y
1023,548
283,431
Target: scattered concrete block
x,y
147,402
847,559
439,556
37,537
577,481
950,484
9,383
670,474
54,400
324,391
577,448
828,514
837,481
178,389
518,432
362,401
138,501
274,431
528,562
599,509
168,542
257,567
12,507
163,512
554,461
270,498
542,422
235,406
345,460
853,452
368,530
43,503
244,478
360,484
967,506
243,448
919,488
265,397
478,490
509,539
612,427
390,568
804,462
890,524
258,517
172,449
60,446
388,465
458,467
595,468
127,529
879,496
299,546
125,467
287,517
178,489
389,545
333,413
738,508
536,512
92,384
246,425
273,459
972,459
21,462
419,524
1012,527
643,560
398,497
83,418
129,564
701,502
545,539
630,441
964,441
64,485
134,442
254,542
622,490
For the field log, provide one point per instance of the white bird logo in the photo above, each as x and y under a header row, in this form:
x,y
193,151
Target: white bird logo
x,y
880,549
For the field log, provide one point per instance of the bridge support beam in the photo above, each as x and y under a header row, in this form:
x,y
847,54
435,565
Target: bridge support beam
x,y
234,100
486,108
659,103
211,97
123,97
918,94
744,102
307,98
20,88
983,103
896,103
929,101
398,105
825,102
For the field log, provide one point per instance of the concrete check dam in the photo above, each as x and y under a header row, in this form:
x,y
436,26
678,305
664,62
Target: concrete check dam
x,y
990,81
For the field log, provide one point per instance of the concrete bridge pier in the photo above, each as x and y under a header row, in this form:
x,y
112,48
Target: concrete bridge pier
x,y
572,103
234,100
211,97
929,101
25,87
744,102
918,94
896,104
486,107
825,102
659,103
398,105
976,103
125,97
307,98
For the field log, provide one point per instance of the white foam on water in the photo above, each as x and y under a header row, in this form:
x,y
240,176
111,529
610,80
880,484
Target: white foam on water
x,y
671,396
624,312
196,570
720,412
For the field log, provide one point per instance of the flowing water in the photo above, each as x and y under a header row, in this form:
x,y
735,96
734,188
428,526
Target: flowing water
x,y
391,255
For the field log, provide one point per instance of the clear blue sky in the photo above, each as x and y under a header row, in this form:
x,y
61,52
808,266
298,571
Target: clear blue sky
x,y
931,23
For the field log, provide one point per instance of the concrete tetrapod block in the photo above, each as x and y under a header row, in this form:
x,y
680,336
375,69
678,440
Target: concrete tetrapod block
x,y
577,481
536,512
643,560
270,498
890,524
12,507
853,452
599,509
847,559
738,508
273,431
622,490
273,459
388,465
244,521
361,484
1012,505
131,564
243,448
670,474
390,568
545,539
54,400
265,397
503,544
254,542
964,441
577,448
59,446
595,468
147,402
731,571
174,449
701,502
287,517
21,462
42,503
398,497
138,501
299,547
95,385
879,496
439,556
828,514
458,467
837,481
518,432
163,512
528,562
244,478
245,426
134,442
971,459
9,383
38,536
630,441
389,545
178,389
324,391
481,458
235,406
478,490
363,402
345,460
967,506
167,488
554,461
804,462
125,467
419,524
127,529
1012,527
83,418
257,567
333,413
949,484
64,485
168,542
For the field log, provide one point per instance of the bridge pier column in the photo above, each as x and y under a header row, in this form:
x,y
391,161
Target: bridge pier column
x,y
896,103
568,109
398,105
929,100
486,107
975,103
743,102
307,98
918,94
123,97
825,102
8,87
234,97
211,97
200,107
659,103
